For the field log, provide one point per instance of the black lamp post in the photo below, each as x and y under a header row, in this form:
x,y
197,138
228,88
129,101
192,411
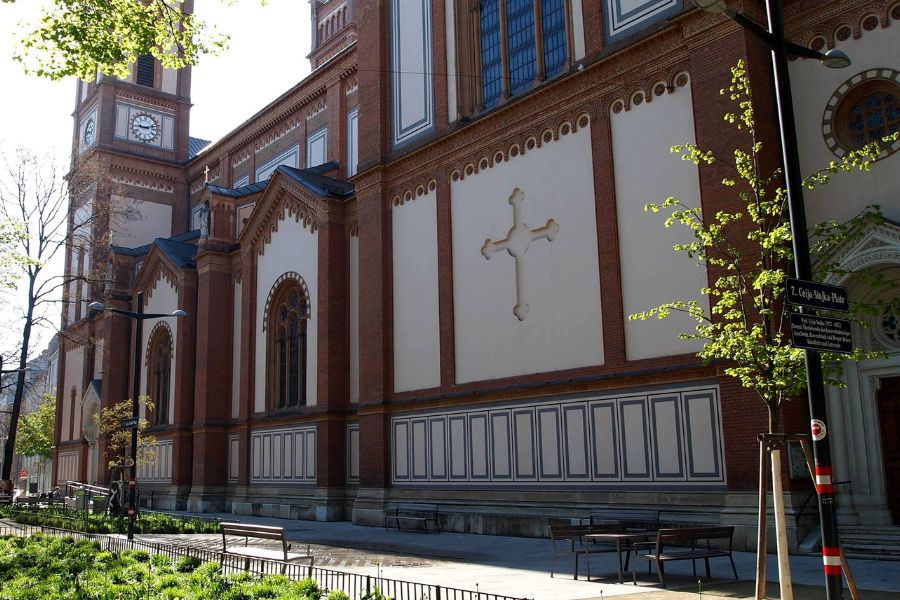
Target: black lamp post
x,y
139,317
774,38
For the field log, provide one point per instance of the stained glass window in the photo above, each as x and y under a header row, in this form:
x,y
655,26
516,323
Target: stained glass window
x,y
509,31
868,113
874,116
160,374
553,13
520,44
491,65
289,348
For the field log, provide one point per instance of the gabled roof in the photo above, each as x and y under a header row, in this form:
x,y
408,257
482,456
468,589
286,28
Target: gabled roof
x,y
196,146
311,178
320,185
180,253
239,192
176,248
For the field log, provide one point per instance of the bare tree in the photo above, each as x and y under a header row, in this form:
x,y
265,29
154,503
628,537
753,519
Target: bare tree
x,y
58,216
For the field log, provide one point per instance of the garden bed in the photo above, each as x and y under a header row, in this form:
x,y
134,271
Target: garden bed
x,y
40,567
78,520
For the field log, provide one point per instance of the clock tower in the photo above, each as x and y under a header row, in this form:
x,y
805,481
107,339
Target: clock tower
x,y
128,186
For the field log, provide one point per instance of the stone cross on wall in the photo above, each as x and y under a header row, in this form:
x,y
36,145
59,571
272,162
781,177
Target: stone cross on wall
x,y
516,243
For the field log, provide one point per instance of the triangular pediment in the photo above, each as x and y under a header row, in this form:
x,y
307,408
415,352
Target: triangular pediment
x,y
283,197
158,265
877,245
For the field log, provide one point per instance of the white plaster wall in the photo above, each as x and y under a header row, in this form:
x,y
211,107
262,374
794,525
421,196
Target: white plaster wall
x,y
652,272
413,70
164,299
354,319
352,142
98,358
293,248
417,344
72,378
578,29
290,158
153,220
236,353
812,87
317,148
563,327
452,79
169,81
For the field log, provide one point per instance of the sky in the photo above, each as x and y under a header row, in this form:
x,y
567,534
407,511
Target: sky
x,y
266,57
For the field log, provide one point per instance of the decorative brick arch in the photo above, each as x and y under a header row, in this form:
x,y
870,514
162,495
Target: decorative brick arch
x,y
160,325
304,290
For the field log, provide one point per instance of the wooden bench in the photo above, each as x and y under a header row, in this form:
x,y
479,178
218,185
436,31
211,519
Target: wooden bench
x,y
627,518
412,513
269,551
28,500
685,544
569,540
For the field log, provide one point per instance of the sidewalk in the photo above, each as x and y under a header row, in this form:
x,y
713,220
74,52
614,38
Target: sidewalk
x,y
521,566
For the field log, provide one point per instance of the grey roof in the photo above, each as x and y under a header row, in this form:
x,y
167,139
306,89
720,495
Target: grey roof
x,y
244,190
320,185
182,254
175,247
311,178
196,146
96,385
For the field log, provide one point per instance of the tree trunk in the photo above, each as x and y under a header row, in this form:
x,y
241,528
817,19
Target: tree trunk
x,y
9,447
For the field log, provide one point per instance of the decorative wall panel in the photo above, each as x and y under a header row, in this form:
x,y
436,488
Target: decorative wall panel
x,y
413,71
624,17
233,457
633,440
160,470
283,455
67,466
353,453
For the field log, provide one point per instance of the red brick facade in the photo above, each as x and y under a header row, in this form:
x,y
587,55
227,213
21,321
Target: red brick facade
x,y
702,45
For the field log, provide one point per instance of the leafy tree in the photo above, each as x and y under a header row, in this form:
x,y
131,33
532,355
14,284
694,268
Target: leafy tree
x,y
84,37
118,439
52,215
747,324
11,235
36,435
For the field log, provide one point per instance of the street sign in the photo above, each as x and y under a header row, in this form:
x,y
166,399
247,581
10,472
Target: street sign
x,y
129,423
24,473
822,334
816,295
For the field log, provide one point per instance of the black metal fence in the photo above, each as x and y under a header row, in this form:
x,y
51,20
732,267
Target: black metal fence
x,y
355,584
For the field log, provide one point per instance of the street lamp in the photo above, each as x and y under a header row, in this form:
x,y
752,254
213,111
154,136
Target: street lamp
x,y
139,317
775,39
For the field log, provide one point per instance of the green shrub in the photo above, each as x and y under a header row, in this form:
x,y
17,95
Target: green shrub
x,y
187,564
338,595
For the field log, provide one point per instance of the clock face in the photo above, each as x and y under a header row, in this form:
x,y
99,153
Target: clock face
x,y
89,132
144,127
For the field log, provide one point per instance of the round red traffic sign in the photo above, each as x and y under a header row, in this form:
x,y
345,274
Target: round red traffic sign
x,y
817,428
24,473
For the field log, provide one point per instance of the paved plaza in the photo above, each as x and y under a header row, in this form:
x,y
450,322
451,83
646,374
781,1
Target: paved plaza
x,y
521,566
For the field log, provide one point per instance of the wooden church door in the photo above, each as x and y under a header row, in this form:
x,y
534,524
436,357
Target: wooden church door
x,y
889,417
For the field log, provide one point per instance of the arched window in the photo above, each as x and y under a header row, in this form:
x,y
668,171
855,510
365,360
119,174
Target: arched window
x,y
287,316
159,374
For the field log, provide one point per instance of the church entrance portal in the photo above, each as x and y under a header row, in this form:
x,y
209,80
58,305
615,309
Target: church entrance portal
x,y
889,418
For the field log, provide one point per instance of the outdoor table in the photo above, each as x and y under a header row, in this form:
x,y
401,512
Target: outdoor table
x,y
630,536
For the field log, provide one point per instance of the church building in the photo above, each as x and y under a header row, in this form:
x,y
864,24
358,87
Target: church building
x,y
409,277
